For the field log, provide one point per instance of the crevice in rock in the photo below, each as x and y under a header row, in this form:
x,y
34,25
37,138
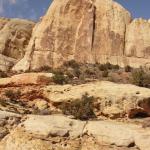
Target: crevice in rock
x,y
124,44
94,26
138,113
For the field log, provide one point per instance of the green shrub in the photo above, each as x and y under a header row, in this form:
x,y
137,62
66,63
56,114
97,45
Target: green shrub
x,y
116,67
138,77
3,74
128,68
45,69
102,67
146,81
13,95
108,65
72,64
77,72
59,78
81,109
105,74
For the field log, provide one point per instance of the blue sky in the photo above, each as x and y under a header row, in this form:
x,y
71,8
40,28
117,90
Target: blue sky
x,y
33,9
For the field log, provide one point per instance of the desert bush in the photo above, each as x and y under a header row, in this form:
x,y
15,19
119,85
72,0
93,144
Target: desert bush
x,y
108,66
105,73
59,78
72,64
46,69
116,67
141,78
41,112
3,74
128,68
102,67
77,72
90,72
146,80
81,109
13,95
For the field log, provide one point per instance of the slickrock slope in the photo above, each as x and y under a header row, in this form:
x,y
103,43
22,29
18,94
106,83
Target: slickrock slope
x,y
89,32
36,121
113,100
57,132
26,79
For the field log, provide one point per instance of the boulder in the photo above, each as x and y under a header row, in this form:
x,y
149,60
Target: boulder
x,y
19,140
54,125
113,100
61,132
119,134
27,79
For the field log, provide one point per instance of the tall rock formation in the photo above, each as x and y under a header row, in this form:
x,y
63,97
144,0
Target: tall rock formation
x,y
14,38
137,47
88,31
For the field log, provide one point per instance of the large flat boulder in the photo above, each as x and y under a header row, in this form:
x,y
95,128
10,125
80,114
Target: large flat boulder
x,y
54,125
27,79
60,133
114,100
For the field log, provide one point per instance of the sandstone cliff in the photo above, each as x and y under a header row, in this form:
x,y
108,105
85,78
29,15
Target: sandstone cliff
x,y
14,37
89,32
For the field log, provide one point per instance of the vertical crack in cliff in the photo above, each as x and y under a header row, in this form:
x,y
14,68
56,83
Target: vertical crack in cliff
x,y
94,25
124,44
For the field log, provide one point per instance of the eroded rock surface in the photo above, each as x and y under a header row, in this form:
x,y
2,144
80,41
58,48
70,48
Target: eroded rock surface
x,y
88,32
56,132
27,79
14,36
6,62
113,100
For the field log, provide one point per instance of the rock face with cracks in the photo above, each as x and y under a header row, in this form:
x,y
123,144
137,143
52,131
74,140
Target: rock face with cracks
x,y
42,132
88,31
14,37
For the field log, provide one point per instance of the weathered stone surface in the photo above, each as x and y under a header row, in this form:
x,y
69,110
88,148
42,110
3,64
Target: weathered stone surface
x,y
27,79
138,42
88,31
6,62
111,20
14,36
115,100
55,125
57,131
83,30
20,140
